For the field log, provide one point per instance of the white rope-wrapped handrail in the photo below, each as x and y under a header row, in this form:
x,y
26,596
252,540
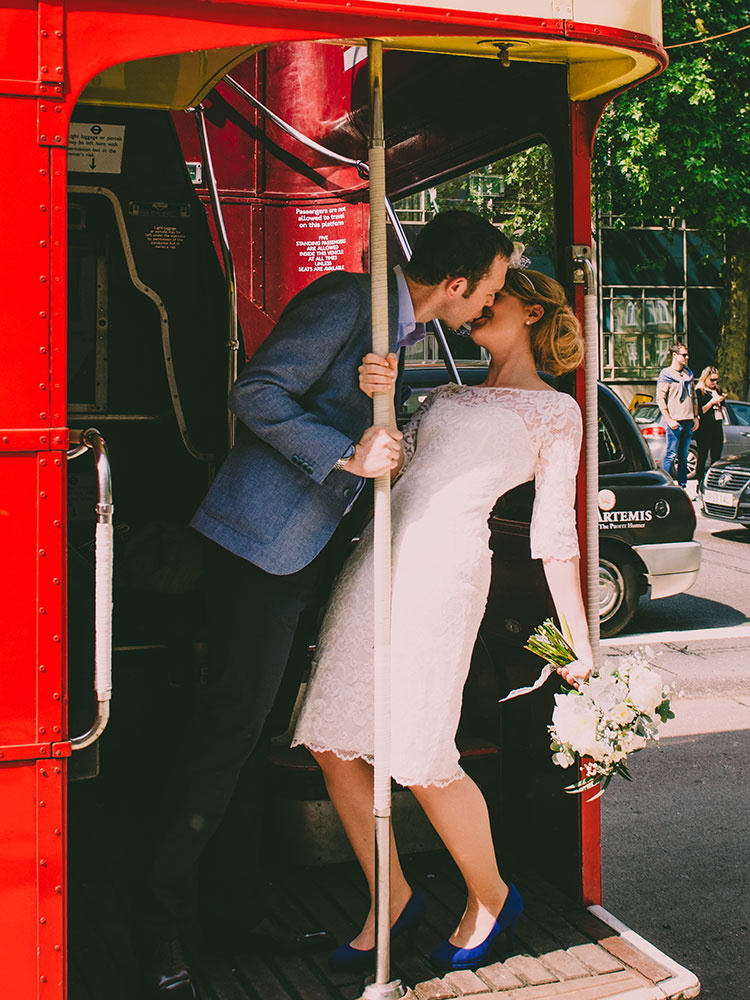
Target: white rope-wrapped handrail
x,y
381,988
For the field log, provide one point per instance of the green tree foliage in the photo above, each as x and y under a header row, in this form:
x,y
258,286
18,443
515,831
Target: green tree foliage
x,y
516,192
678,147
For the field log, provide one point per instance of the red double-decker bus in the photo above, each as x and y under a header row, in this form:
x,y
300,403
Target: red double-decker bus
x,y
163,202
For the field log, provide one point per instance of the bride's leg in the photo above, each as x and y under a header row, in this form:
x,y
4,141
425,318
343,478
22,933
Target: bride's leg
x,y
459,814
350,786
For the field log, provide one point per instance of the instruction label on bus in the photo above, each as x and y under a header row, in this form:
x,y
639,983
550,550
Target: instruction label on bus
x,y
321,251
95,149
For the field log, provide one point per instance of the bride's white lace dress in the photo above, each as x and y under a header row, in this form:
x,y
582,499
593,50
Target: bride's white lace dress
x,y
464,447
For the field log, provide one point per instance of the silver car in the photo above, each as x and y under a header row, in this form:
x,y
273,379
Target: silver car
x,y
736,416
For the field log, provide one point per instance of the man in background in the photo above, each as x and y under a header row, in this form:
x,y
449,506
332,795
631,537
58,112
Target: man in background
x,y
675,394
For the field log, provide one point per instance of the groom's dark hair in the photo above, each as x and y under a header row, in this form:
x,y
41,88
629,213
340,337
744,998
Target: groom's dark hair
x,y
457,245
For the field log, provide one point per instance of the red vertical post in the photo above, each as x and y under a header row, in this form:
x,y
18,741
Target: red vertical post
x,y
583,125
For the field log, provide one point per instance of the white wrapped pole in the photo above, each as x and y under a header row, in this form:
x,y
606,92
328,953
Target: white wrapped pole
x,y
103,610
591,437
92,439
381,988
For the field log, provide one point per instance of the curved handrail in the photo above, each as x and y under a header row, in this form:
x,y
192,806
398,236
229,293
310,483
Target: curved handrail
x,y
93,440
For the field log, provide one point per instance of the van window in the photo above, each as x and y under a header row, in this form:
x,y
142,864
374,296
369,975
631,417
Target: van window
x,y
609,446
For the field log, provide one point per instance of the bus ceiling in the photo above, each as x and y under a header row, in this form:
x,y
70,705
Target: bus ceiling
x,y
600,59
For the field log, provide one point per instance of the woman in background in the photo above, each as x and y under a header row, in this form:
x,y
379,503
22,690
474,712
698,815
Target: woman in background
x,y
710,433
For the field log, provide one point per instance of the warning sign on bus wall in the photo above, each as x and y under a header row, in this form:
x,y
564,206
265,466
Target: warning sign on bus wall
x,y
95,149
319,250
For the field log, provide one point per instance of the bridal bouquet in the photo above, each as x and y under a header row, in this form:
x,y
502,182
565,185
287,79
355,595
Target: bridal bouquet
x,y
611,714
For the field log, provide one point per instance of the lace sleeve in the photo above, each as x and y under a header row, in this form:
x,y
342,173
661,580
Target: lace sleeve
x,y
409,441
553,521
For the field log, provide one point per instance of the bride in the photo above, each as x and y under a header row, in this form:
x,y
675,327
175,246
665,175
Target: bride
x,y
464,447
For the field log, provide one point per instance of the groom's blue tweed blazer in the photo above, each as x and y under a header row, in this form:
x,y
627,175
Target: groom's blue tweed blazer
x,y
277,498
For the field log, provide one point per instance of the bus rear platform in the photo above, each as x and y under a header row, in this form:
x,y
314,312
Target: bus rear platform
x,y
563,950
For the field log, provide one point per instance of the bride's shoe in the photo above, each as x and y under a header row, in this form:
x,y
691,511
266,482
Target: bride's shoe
x,y
448,956
348,959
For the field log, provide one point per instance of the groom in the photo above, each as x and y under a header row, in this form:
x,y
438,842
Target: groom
x,y
304,450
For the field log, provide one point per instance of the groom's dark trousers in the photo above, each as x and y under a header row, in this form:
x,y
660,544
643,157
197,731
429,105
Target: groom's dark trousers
x,y
270,520
253,617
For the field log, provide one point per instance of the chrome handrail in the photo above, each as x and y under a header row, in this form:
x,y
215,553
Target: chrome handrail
x,y
93,440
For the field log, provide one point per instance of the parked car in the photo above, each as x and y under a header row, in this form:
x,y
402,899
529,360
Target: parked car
x,y
736,431
646,522
725,493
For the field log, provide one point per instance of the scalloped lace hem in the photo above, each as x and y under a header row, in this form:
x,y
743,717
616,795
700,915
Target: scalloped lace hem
x,y
399,779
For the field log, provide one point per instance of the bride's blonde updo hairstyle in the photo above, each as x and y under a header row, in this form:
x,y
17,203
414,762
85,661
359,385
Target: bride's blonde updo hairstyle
x,y
556,338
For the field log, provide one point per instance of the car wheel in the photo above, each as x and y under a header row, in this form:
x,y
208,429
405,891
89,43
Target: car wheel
x,y
619,589
692,462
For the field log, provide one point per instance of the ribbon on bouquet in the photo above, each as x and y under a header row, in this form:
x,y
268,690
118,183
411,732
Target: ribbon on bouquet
x,y
547,670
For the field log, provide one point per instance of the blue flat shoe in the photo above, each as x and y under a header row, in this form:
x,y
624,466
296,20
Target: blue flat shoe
x,y
348,959
448,956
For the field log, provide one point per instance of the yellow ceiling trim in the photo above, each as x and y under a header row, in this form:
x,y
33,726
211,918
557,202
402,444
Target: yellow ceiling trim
x,y
166,82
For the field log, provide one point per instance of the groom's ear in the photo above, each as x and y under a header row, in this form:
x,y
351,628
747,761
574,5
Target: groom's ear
x,y
455,287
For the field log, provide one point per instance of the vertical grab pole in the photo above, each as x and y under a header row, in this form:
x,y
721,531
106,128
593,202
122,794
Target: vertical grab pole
x,y
382,988
233,344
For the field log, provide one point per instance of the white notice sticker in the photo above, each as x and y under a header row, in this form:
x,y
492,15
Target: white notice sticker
x,y
95,149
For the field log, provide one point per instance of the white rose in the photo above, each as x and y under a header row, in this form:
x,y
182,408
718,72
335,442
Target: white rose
x,y
606,692
621,713
575,724
646,690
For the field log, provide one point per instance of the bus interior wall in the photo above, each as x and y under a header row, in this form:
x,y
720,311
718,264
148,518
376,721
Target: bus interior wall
x,y
146,292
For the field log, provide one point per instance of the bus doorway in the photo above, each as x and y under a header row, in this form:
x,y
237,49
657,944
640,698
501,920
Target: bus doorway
x,y
148,360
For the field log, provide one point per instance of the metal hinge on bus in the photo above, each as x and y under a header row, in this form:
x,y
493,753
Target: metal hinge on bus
x,y
33,751
51,74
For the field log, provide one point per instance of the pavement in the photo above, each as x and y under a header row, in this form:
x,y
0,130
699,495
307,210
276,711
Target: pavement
x,y
676,848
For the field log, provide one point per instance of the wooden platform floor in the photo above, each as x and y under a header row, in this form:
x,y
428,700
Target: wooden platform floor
x,y
563,951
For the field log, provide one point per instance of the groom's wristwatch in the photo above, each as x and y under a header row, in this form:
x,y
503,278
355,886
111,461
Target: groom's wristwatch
x,y
349,453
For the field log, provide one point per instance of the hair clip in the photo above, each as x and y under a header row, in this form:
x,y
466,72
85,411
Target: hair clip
x,y
517,260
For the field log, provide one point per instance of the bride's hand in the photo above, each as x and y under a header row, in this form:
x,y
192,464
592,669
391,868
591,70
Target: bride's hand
x,y
378,374
575,672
